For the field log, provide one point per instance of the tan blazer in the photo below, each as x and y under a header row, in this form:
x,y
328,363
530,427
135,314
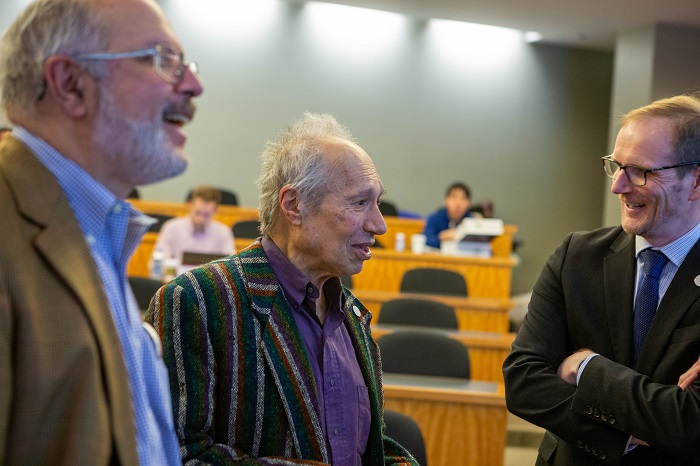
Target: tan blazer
x,y
64,392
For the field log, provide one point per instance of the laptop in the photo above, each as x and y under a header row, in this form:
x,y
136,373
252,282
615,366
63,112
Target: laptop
x,y
190,260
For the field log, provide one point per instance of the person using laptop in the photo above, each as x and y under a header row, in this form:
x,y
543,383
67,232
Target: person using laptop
x,y
197,232
440,225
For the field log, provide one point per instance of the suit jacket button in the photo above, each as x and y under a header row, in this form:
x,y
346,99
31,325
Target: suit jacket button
x,y
602,455
587,447
589,410
604,417
580,443
596,413
611,419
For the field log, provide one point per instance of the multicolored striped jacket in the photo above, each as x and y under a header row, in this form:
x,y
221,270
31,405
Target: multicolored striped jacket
x,y
241,382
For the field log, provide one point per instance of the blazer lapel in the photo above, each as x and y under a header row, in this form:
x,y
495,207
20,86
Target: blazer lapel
x,y
679,297
285,355
620,268
60,241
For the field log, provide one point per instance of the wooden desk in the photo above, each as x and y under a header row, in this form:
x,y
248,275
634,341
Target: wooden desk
x,y
478,314
487,350
486,277
463,422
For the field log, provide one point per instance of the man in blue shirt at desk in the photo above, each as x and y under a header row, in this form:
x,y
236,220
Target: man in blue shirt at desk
x,y
441,224
98,92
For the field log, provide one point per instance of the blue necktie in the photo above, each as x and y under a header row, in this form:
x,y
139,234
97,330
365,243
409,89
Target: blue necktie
x,y
647,298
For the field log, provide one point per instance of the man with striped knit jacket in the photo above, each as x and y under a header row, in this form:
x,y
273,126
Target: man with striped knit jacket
x,y
271,360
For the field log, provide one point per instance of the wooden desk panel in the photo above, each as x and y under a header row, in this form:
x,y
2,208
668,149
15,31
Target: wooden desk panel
x,y
486,277
490,277
487,350
478,314
461,426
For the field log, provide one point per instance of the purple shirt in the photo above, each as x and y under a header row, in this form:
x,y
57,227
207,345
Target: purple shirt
x,y
343,397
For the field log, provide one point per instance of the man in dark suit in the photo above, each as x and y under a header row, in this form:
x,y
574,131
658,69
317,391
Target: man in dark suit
x,y
97,93
585,366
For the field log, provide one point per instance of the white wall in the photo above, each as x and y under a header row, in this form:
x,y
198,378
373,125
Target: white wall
x,y
524,125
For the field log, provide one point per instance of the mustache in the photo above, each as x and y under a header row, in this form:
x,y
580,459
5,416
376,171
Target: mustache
x,y
185,109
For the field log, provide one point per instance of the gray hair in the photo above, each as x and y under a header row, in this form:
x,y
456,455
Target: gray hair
x,y
45,28
296,159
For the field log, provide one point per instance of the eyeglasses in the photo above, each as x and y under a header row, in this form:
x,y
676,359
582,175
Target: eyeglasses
x,y
168,63
635,175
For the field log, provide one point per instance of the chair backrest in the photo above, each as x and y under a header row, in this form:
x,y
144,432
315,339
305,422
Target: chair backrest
x,y
434,281
423,353
414,311
388,209
246,229
228,197
161,220
406,431
144,289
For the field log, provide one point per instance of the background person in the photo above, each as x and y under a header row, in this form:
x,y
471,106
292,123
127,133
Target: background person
x,y
269,356
198,231
97,109
606,338
441,224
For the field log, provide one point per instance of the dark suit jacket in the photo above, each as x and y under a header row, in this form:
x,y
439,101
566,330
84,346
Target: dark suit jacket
x,y
584,299
64,393
240,378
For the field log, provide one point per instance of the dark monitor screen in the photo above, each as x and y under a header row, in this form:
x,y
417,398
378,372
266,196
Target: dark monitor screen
x,y
199,258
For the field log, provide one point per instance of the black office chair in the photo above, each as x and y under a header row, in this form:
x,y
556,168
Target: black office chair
x,y
433,281
246,229
161,220
388,209
407,433
144,289
423,353
420,312
228,197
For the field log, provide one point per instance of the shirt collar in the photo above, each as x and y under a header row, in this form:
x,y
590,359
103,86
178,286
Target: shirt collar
x,y
92,202
675,250
294,283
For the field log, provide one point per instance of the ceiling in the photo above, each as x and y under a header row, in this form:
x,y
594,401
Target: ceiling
x,y
588,24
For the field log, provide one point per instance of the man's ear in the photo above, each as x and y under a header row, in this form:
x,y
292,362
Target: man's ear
x,y
68,83
289,204
695,193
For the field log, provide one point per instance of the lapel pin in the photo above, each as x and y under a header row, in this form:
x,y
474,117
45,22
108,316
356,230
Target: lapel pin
x,y
356,309
697,280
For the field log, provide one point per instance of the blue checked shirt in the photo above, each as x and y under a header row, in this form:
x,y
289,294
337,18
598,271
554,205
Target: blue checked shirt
x,y
113,229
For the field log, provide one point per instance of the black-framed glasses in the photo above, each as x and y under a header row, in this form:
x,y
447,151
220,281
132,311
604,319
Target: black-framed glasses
x,y
168,63
636,175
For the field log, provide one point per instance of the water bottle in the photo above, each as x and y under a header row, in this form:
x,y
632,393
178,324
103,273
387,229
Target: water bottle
x,y
156,272
400,242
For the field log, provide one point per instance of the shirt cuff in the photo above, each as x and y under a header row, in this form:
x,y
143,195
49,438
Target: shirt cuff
x,y
582,366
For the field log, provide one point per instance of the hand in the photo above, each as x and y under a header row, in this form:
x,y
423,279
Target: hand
x,y
447,235
568,369
689,377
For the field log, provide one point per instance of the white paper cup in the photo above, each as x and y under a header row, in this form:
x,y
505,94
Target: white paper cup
x,y
418,244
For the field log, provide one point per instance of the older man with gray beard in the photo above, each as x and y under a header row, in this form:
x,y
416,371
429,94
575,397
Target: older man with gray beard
x,y
98,92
